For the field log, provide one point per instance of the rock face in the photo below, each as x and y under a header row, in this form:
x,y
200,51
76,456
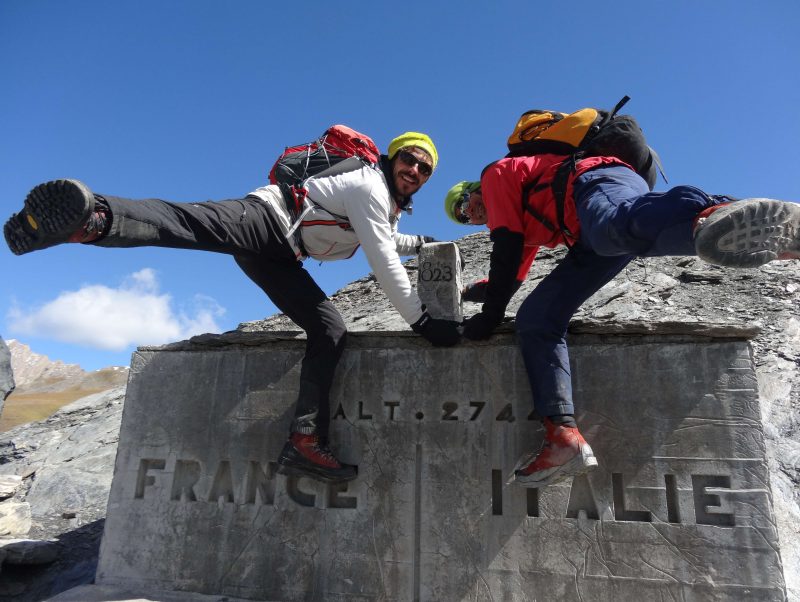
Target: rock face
x,y
30,367
55,474
34,372
6,373
662,290
65,463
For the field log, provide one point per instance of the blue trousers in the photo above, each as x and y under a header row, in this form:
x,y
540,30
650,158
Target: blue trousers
x,y
620,219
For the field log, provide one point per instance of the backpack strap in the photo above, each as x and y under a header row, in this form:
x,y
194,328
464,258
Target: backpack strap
x,y
569,166
657,160
559,185
607,118
622,102
527,190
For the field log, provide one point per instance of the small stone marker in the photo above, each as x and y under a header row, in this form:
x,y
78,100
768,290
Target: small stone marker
x,y
439,280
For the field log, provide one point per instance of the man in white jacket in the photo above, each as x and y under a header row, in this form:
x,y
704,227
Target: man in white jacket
x,y
360,206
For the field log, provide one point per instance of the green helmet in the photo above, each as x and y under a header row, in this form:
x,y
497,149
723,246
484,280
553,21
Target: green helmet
x,y
456,195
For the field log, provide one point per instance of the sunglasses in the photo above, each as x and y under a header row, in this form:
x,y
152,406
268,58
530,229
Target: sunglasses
x,y
409,159
462,205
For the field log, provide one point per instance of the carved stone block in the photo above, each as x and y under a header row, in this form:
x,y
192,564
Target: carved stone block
x,y
439,280
679,507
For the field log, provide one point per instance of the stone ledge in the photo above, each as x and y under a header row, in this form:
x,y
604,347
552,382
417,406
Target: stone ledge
x,y
674,331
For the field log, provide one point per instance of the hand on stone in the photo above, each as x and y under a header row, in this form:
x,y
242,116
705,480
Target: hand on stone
x,y
481,325
440,333
475,291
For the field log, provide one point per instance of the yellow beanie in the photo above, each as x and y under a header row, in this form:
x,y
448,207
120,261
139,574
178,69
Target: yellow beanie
x,y
414,139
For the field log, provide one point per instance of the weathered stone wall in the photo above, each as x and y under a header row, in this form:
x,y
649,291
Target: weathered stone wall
x,y
679,508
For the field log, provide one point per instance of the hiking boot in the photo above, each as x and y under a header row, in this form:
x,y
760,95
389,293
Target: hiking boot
x,y
53,213
748,233
304,456
564,454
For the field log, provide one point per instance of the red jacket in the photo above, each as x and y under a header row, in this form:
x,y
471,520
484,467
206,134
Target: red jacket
x,y
501,187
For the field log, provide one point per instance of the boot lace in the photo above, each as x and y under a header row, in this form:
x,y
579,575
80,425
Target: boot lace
x,y
324,451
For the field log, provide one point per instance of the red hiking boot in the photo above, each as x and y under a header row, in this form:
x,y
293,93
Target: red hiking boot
x,y
304,456
564,454
748,233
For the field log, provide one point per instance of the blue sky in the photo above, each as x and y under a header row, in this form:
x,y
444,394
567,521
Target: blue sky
x,y
191,100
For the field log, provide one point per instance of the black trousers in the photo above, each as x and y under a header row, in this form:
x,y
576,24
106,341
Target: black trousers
x,y
247,230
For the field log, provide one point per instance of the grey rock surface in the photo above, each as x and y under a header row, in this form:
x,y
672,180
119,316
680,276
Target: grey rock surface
x,y
15,519
65,463
9,485
28,551
6,373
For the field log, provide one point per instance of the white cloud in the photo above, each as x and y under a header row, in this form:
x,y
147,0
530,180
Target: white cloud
x,y
107,318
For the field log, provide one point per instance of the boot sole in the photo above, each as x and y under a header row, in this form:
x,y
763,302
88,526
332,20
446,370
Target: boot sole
x,y
579,465
750,233
52,212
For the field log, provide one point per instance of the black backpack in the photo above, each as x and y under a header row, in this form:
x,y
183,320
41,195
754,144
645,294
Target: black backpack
x,y
585,133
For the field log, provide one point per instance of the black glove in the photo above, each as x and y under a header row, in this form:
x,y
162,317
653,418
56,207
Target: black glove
x,y
476,291
481,325
504,263
421,240
440,333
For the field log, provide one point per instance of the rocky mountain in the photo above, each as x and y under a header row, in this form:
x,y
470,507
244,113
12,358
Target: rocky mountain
x,y
34,372
64,463
44,385
7,383
31,368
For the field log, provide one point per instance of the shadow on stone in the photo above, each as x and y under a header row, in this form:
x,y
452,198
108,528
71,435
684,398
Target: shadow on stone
x,y
76,564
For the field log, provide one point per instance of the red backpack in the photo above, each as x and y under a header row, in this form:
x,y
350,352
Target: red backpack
x,y
297,163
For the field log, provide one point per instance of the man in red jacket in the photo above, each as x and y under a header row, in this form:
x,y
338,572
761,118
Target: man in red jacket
x,y
609,217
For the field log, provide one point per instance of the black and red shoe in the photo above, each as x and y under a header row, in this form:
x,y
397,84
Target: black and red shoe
x,y
564,454
748,233
54,212
305,456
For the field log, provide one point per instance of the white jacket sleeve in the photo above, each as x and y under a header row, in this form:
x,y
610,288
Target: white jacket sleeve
x,y
406,244
366,203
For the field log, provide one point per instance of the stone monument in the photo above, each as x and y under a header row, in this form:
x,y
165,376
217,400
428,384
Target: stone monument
x,y
679,507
